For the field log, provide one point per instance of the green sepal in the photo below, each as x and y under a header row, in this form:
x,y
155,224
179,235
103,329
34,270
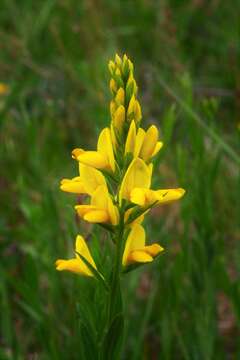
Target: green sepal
x,y
107,227
138,212
112,343
96,273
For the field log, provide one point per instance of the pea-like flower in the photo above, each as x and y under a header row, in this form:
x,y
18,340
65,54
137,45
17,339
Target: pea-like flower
x,y
141,143
103,158
135,187
135,248
88,181
76,264
101,208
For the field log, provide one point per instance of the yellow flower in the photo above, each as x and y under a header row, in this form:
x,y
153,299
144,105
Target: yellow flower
x,y
135,187
101,208
103,158
138,175
146,197
143,144
86,183
135,248
119,118
134,110
3,89
76,264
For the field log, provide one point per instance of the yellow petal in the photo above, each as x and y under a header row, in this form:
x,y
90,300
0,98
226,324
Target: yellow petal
x,y
73,265
94,159
158,147
96,216
135,241
139,141
139,256
74,186
168,195
138,196
119,117
131,106
137,175
153,249
118,60
113,108
100,198
84,209
113,86
137,111
82,248
149,143
113,137
113,212
91,178
105,148
131,138
120,97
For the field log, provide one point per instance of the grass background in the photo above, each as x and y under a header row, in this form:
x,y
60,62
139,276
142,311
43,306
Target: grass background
x,y
53,57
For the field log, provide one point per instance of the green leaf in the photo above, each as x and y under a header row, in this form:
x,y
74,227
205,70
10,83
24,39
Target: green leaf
x,y
89,349
96,273
111,348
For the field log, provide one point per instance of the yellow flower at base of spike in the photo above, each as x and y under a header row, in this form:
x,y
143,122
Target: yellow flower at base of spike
x,y
135,249
76,264
135,187
141,143
88,181
103,158
101,208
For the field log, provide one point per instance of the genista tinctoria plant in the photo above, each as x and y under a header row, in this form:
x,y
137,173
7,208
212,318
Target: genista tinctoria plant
x,y
116,178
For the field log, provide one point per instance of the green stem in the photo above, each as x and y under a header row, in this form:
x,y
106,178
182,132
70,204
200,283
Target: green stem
x,y
115,291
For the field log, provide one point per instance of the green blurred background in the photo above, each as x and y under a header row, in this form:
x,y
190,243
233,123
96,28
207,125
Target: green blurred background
x,y
53,57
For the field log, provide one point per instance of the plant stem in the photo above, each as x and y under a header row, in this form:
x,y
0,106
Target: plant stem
x,y
115,291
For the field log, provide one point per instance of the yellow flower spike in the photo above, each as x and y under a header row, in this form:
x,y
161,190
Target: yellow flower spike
x,y
120,96
138,175
76,265
101,208
103,158
131,139
119,117
135,248
146,197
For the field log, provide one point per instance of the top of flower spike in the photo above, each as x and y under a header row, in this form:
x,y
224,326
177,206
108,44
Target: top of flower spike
x,y
124,106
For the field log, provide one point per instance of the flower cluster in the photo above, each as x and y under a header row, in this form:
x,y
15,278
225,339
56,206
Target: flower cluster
x,y
116,179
